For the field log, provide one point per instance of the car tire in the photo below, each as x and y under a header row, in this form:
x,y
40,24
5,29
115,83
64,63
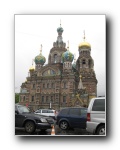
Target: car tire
x,y
101,130
29,127
63,125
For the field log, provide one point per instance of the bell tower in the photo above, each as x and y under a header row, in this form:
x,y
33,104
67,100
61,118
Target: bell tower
x,y
85,67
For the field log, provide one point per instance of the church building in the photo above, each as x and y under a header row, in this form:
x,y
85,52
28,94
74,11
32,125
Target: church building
x,y
64,81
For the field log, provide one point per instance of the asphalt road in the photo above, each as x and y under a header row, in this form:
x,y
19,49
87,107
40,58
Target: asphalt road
x,y
57,130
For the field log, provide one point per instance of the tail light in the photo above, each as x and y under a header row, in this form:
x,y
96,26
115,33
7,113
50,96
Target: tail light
x,y
88,116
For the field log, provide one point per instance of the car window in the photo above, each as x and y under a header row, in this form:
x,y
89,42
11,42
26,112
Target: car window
x,y
64,111
99,105
38,111
44,111
74,111
83,111
23,109
50,111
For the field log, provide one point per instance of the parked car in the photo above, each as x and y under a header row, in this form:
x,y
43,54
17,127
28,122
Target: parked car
x,y
30,121
96,116
73,117
47,112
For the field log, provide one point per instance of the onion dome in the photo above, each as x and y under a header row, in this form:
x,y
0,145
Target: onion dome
x,y
67,56
60,29
31,68
84,43
40,59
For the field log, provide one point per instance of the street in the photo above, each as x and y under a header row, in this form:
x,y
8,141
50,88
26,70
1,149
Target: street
x,y
57,130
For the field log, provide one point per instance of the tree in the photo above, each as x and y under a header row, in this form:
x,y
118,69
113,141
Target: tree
x,y
17,97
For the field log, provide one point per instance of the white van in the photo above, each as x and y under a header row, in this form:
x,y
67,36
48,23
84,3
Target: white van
x,y
96,116
46,112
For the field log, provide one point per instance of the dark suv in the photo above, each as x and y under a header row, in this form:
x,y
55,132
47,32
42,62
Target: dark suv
x,y
30,121
75,117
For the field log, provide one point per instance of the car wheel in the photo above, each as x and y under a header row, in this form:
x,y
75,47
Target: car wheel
x,y
101,130
29,127
63,125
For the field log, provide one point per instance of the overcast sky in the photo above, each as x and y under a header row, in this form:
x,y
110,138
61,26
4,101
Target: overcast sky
x,y
33,30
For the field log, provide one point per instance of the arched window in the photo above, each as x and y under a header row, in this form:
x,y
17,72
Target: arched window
x,y
32,98
47,99
52,85
42,99
55,58
65,85
47,85
43,85
23,98
83,63
64,99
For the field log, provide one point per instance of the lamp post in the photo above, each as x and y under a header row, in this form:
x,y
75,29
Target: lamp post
x,y
50,104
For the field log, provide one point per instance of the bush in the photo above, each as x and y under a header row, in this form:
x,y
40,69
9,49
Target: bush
x,y
17,97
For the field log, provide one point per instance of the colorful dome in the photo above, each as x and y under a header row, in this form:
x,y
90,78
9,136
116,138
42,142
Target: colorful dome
x,y
84,44
60,29
40,59
67,56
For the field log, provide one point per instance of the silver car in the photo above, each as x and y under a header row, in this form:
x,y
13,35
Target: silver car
x,y
47,112
96,116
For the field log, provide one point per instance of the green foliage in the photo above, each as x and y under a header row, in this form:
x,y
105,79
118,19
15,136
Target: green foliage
x,y
17,97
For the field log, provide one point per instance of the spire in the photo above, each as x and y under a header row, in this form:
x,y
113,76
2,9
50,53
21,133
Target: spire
x,y
84,36
80,86
41,50
60,22
68,45
32,67
84,43
32,61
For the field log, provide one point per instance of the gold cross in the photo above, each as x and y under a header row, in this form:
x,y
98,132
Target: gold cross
x,y
84,35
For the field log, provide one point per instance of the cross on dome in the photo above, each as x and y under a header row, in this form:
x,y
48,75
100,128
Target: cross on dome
x,y
41,49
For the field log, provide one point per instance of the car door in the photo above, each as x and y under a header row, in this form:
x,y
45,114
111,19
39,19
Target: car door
x,y
83,117
98,110
45,112
74,117
19,118
51,113
78,117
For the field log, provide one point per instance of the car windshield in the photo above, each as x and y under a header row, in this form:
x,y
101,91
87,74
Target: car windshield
x,y
23,109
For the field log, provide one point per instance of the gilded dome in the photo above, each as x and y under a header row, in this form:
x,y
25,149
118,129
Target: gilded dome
x,y
32,68
84,44
67,56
